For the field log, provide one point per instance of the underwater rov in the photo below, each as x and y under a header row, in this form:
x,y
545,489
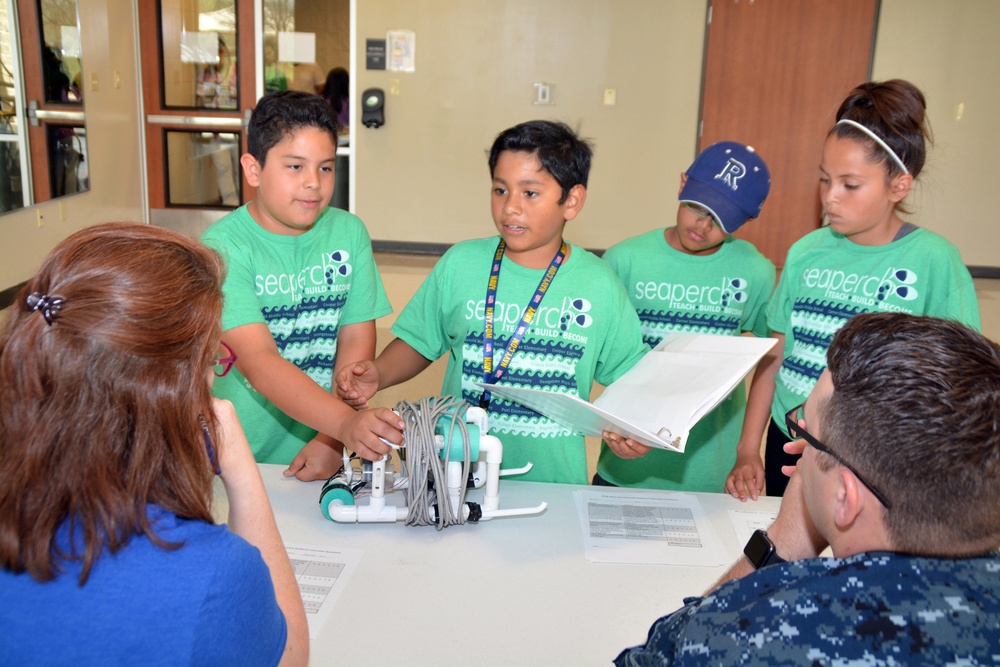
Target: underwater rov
x,y
447,450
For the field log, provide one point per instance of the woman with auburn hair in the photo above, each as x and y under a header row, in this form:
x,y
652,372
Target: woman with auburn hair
x,y
109,437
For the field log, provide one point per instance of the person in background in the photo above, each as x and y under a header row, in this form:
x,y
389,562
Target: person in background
x,y
695,277
336,91
900,478
525,308
868,259
302,295
307,77
109,437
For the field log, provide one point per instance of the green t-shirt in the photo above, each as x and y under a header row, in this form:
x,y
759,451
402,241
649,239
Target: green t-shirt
x,y
584,330
304,288
828,279
725,294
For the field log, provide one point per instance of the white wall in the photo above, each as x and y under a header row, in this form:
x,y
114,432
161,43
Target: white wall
x,y
951,51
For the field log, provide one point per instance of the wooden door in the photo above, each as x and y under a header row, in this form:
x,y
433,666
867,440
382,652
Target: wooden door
x,y
775,73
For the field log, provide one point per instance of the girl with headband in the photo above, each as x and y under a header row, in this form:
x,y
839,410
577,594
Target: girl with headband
x,y
109,442
868,258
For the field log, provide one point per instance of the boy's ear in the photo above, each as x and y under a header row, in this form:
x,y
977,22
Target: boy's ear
x,y
574,201
251,169
899,187
684,180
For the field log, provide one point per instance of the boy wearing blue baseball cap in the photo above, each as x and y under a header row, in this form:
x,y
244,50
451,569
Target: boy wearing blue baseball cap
x,y
694,277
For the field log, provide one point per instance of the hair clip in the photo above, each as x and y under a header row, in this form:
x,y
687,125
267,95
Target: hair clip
x,y
48,305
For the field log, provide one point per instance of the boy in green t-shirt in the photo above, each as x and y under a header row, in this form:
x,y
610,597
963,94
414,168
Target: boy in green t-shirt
x,y
694,277
557,307
301,296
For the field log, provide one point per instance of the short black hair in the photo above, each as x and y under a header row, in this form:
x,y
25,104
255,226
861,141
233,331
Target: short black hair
x,y
282,112
559,150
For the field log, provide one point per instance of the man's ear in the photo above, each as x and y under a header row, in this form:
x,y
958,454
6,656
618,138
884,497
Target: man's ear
x,y
251,169
574,201
899,187
684,180
849,500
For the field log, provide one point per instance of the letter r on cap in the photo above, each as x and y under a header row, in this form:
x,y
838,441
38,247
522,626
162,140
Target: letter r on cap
x,y
732,173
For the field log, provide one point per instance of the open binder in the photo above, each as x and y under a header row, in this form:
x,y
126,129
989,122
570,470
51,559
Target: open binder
x,y
662,397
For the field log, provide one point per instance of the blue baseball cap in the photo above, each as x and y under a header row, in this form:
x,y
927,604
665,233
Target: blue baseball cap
x,y
731,181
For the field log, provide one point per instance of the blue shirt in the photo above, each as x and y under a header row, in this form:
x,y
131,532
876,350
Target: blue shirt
x,y
211,602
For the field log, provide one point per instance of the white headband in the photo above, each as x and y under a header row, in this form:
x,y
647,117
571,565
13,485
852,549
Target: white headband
x,y
877,140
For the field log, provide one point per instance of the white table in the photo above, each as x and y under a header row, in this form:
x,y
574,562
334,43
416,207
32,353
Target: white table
x,y
509,591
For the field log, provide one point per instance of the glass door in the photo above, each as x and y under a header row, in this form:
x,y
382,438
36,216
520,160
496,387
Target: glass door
x,y
43,134
204,65
198,88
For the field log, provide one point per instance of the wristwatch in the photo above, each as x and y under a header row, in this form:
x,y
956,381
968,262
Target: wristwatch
x,y
760,551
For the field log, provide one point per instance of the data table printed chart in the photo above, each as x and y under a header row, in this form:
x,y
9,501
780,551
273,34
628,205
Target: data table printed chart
x,y
322,573
673,525
637,527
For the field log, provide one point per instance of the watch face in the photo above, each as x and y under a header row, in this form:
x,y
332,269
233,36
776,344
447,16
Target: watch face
x,y
759,549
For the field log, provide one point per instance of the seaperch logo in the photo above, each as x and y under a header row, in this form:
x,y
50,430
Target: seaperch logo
x,y
320,278
728,295
882,291
557,321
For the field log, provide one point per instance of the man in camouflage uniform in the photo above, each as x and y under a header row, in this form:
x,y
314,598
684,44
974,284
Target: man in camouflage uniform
x,y
900,477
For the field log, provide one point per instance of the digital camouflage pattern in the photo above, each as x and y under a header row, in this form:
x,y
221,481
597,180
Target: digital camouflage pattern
x,y
874,608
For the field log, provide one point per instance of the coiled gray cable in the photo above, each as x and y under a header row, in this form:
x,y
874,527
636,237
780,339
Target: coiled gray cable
x,y
424,461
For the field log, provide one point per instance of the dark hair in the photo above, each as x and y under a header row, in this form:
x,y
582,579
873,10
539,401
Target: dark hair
x,y
101,411
336,89
896,112
281,113
915,407
559,150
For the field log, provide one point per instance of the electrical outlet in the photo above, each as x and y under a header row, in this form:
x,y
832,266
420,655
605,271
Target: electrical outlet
x,y
394,87
41,217
543,93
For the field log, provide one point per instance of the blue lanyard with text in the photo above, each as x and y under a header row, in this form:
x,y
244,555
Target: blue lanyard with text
x,y
489,375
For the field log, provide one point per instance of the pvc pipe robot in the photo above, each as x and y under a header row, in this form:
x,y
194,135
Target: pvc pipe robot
x,y
340,493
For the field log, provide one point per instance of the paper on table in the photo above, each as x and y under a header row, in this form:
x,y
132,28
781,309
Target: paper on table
x,y
662,396
636,526
322,573
746,521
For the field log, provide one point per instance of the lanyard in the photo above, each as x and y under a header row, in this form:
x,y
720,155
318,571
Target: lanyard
x,y
489,375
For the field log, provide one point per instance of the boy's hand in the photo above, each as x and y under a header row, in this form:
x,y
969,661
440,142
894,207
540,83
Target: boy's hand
x,y
357,383
316,460
747,476
625,448
362,432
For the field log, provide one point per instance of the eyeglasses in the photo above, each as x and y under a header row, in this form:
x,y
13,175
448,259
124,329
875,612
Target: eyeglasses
x,y
701,213
224,364
799,433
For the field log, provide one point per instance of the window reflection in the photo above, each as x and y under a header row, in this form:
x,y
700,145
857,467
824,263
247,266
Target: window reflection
x,y
11,192
68,167
200,54
60,51
11,187
203,168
